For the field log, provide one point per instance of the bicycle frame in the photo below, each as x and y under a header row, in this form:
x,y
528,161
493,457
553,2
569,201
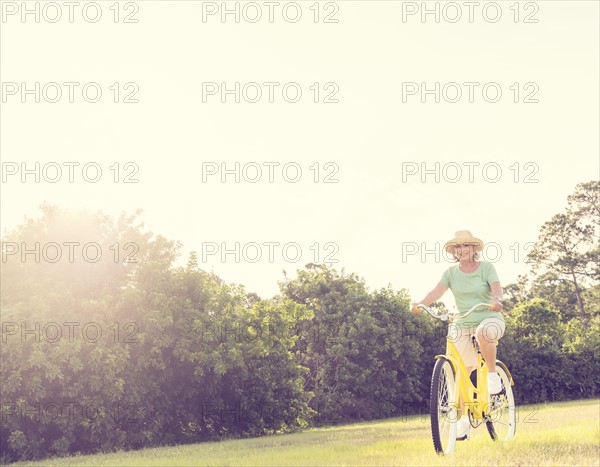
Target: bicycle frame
x,y
446,397
475,399
463,385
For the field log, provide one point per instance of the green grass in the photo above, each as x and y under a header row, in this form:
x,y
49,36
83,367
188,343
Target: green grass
x,y
566,433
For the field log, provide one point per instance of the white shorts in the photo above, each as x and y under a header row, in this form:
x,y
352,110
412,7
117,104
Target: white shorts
x,y
491,328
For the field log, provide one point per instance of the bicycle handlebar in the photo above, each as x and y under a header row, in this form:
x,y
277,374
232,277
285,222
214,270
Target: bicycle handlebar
x,y
446,316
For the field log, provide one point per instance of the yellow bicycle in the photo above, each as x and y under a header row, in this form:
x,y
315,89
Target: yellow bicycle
x,y
450,379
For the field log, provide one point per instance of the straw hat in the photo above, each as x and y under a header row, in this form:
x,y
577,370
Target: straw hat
x,y
463,236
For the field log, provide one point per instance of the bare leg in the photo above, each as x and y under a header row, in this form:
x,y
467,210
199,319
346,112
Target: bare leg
x,y
488,351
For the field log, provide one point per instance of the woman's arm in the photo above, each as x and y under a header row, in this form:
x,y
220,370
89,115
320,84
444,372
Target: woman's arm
x,y
497,294
431,297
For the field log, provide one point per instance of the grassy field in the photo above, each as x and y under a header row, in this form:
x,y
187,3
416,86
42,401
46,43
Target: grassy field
x,y
566,433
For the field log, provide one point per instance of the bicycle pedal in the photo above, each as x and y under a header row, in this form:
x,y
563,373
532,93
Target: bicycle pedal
x,y
496,401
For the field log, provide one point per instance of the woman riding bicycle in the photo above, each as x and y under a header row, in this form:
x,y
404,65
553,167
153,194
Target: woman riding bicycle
x,y
472,282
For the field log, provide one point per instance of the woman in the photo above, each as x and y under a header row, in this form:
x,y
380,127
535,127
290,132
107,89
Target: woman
x,y
472,282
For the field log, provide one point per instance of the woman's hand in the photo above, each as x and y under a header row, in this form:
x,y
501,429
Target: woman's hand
x,y
496,305
431,297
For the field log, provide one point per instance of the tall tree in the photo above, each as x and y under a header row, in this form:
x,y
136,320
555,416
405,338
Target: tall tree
x,y
567,245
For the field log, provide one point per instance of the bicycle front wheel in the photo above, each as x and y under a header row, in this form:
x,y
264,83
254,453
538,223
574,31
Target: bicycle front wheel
x,y
502,423
443,407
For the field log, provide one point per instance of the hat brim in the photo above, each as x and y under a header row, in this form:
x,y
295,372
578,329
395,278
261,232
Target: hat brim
x,y
477,242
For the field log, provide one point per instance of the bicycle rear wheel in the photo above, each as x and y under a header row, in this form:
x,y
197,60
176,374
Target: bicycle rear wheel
x,y
443,407
502,423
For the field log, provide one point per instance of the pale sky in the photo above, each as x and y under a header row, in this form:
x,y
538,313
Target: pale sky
x,y
380,215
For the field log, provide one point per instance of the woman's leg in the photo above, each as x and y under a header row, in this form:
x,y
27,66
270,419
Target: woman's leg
x,y
488,352
488,333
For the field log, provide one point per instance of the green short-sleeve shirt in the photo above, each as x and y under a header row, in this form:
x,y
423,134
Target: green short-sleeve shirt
x,y
471,288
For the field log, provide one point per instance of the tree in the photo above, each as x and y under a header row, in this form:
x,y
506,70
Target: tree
x,y
175,354
567,246
584,203
516,293
532,349
363,349
560,293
